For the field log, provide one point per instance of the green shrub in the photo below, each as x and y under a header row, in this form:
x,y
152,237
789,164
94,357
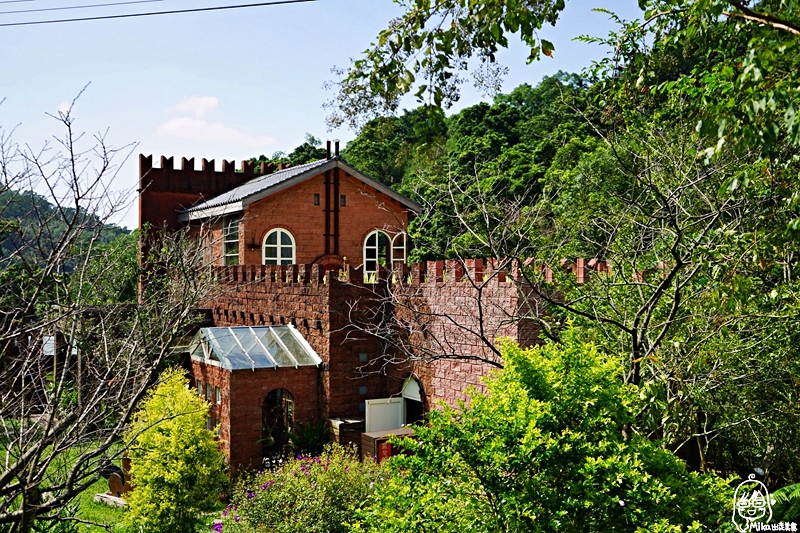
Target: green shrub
x,y
305,495
309,438
177,469
544,451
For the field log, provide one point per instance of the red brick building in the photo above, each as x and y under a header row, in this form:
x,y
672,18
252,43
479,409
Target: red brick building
x,y
302,254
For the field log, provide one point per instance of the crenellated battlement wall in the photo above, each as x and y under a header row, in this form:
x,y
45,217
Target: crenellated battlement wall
x,y
462,307
165,189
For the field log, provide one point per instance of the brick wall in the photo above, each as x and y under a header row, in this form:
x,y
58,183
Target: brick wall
x,y
458,306
293,209
239,413
302,295
165,190
249,389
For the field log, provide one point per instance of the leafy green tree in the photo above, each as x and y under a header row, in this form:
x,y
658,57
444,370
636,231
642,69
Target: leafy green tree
x,y
544,450
427,48
177,468
114,270
378,150
746,92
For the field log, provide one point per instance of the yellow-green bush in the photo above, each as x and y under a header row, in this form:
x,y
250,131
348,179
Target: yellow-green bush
x,y
177,468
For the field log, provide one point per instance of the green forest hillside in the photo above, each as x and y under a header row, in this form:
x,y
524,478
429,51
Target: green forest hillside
x,y
27,217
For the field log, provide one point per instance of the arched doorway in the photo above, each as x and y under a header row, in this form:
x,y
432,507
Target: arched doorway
x,y
277,421
413,400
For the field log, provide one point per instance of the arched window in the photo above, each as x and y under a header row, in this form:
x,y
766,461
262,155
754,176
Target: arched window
x,y
377,251
381,250
399,248
279,248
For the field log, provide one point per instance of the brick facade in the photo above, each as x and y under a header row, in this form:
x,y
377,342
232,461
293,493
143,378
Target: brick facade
x,y
454,300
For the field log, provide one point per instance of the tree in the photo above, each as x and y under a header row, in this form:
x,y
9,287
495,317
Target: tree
x,y
688,279
75,359
425,50
744,89
177,468
543,451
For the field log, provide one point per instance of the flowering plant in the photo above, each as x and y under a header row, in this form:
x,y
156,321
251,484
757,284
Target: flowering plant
x,y
306,494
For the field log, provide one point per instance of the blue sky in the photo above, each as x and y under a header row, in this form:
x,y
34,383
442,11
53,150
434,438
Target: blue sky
x,y
223,85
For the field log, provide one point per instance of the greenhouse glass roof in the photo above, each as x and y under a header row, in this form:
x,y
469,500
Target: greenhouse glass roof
x,y
248,348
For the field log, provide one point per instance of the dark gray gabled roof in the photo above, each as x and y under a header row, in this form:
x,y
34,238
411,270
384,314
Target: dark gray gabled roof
x,y
238,198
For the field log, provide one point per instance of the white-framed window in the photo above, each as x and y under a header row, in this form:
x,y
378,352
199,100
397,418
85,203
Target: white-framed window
x,y
279,248
399,248
230,240
200,388
206,250
217,395
380,250
208,391
377,251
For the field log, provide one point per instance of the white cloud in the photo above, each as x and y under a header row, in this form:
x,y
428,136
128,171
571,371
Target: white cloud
x,y
197,105
196,129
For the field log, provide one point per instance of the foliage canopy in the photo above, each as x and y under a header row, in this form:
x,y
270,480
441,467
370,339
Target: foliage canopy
x,y
177,468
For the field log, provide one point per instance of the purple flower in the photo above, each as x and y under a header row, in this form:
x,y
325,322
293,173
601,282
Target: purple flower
x,y
316,459
264,486
251,495
236,518
217,527
300,457
622,503
225,512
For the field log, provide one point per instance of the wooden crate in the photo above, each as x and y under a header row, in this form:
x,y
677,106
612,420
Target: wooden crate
x,y
376,444
347,431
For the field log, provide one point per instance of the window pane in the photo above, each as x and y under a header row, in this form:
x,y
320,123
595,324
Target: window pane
x,y
286,252
49,345
272,238
371,240
285,239
271,252
232,227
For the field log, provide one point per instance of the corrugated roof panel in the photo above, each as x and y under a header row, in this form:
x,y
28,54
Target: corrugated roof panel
x,y
238,198
255,186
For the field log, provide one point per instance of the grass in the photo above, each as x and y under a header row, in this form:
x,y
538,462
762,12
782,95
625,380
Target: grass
x,y
100,513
